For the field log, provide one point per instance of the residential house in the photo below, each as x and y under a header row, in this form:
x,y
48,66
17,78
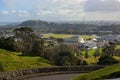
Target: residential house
x,y
88,45
74,40
110,38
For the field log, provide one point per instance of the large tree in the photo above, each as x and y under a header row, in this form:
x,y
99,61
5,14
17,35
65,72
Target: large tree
x,y
38,48
25,37
8,43
109,49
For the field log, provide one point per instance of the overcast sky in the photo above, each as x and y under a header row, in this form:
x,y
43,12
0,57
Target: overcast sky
x,y
59,10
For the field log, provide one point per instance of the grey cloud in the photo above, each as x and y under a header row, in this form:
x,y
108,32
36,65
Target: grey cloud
x,y
102,5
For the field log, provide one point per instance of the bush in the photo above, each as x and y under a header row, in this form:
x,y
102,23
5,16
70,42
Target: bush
x,y
86,54
117,52
64,55
97,53
85,63
106,60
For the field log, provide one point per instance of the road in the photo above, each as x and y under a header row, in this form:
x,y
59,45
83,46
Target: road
x,y
115,79
55,77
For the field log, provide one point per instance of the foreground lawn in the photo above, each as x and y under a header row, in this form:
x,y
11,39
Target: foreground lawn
x,y
99,73
11,61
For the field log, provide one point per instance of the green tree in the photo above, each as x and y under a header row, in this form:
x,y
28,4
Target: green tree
x,y
25,38
8,43
65,56
85,62
38,48
2,42
86,55
97,53
109,50
50,54
106,60
117,52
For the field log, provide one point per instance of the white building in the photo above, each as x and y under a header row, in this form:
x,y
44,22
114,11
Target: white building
x,y
88,45
75,40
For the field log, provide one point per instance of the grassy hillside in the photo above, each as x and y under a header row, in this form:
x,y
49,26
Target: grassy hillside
x,y
99,73
11,61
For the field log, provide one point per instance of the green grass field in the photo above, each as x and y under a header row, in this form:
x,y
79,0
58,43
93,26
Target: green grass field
x,y
90,52
65,36
56,35
11,61
87,36
99,73
92,60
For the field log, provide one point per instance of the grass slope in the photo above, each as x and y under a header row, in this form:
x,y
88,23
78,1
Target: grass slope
x,y
11,61
99,73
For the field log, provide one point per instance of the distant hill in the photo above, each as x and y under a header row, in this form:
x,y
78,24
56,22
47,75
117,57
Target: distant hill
x,y
33,23
75,28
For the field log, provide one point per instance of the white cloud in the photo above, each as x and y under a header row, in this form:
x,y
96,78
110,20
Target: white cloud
x,y
45,12
14,11
5,12
69,1
65,11
61,9
23,13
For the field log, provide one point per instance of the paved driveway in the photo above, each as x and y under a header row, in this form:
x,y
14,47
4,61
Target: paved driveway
x,y
55,77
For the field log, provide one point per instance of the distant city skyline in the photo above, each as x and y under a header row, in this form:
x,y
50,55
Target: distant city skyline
x,y
59,10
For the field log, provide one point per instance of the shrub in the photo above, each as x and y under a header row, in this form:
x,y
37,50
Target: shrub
x,y
106,60
64,55
85,63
